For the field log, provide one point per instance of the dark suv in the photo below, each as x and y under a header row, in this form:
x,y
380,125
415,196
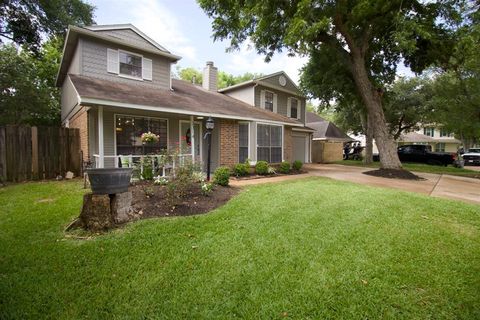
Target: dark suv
x,y
423,154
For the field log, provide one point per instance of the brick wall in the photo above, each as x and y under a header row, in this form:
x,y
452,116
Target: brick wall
x,y
287,144
228,142
332,151
80,120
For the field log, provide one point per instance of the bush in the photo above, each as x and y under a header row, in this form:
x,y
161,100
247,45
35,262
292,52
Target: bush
x,y
261,168
222,176
297,165
241,169
284,167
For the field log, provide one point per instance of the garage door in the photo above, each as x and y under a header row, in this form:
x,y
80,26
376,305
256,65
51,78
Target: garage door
x,y
298,148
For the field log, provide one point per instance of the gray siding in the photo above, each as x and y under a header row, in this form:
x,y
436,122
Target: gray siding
x,y
243,94
68,98
74,67
282,101
274,81
94,64
129,36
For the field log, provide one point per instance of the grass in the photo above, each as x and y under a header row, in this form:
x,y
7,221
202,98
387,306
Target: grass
x,y
420,167
307,249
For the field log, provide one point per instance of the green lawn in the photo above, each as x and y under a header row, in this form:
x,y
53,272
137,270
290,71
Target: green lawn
x,y
310,249
419,167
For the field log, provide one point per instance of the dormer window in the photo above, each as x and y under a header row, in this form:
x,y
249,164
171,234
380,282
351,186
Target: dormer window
x,y
130,64
269,101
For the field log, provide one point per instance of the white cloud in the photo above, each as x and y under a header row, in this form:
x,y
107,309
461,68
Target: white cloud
x,y
246,60
158,22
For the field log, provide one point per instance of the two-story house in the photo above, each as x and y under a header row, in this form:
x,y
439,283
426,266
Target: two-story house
x,y
116,84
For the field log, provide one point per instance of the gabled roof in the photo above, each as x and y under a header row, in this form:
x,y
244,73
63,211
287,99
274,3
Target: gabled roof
x,y
261,80
325,130
128,26
185,98
74,33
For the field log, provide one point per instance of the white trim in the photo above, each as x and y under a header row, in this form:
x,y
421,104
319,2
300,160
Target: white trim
x,y
248,143
135,116
126,75
101,147
85,101
303,130
113,61
147,69
200,136
256,137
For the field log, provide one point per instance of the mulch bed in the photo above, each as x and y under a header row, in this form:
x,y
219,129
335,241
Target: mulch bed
x,y
151,201
393,174
254,176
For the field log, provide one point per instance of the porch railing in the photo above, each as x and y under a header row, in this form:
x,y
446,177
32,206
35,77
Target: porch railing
x,y
157,162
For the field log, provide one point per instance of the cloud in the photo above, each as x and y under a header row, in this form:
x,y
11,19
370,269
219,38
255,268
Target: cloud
x,y
157,21
246,60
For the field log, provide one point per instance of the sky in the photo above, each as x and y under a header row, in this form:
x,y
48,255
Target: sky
x,y
184,29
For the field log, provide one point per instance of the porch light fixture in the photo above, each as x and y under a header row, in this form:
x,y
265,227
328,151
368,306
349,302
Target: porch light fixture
x,y
209,124
200,118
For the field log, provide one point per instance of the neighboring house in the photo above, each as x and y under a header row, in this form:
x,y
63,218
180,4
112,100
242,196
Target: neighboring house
x,y
116,84
327,139
441,139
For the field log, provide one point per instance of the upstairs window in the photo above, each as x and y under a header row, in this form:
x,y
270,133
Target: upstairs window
x,y
428,131
269,101
294,108
444,133
130,64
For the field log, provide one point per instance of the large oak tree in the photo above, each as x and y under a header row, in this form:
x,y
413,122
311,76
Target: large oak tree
x,y
364,34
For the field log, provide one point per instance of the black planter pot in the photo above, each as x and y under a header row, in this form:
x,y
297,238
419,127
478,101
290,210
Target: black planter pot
x,y
109,180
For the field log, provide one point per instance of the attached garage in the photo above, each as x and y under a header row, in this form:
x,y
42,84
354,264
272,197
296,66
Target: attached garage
x,y
300,146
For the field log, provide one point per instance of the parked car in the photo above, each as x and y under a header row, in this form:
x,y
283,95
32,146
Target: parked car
x,y
472,157
423,154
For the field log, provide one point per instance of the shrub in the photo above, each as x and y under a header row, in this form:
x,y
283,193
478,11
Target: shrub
x,y
222,176
271,170
261,168
240,169
179,185
284,167
297,165
160,181
207,188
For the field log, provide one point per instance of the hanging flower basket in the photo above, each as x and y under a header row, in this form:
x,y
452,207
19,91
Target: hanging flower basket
x,y
149,137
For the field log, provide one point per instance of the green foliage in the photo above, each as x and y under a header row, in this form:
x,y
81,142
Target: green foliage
x,y
297,165
207,188
27,85
222,176
26,22
261,168
189,73
224,79
147,172
284,167
179,185
241,169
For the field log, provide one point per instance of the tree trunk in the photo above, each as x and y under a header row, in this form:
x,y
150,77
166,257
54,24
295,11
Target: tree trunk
x,y
386,145
368,141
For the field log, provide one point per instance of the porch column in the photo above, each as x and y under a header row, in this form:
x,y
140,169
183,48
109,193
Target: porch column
x,y
100,137
192,138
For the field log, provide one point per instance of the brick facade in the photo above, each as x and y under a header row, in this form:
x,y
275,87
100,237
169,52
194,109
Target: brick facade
x,y
80,121
228,142
287,144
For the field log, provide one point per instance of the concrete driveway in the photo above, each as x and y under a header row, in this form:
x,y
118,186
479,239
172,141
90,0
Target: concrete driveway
x,y
435,185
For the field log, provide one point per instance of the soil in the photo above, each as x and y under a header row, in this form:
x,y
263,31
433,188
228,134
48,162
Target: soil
x,y
393,174
256,176
151,201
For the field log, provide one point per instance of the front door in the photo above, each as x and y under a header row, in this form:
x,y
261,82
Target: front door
x,y
186,140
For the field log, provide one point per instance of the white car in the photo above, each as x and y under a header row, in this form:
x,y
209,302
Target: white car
x,y
472,157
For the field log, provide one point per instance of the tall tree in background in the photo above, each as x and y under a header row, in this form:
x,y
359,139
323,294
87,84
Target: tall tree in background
x,y
27,22
370,37
224,79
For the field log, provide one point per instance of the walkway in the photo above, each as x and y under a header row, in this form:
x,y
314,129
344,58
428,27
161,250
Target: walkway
x,y
435,185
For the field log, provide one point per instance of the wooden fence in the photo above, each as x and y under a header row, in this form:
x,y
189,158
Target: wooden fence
x,y
31,153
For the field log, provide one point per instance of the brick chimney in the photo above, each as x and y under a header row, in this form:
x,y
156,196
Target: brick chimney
x,y
210,75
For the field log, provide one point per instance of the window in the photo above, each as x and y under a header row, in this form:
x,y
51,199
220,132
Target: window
x,y
293,108
130,64
269,143
445,133
269,100
129,129
242,142
440,147
428,132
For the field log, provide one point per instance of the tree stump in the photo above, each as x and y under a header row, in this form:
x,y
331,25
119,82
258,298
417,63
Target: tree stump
x,y
103,211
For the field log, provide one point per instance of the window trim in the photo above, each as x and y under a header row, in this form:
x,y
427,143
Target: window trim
x,y
126,75
256,138
265,100
137,116
248,139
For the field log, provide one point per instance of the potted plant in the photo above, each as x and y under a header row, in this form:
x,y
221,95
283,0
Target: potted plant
x,y
149,137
